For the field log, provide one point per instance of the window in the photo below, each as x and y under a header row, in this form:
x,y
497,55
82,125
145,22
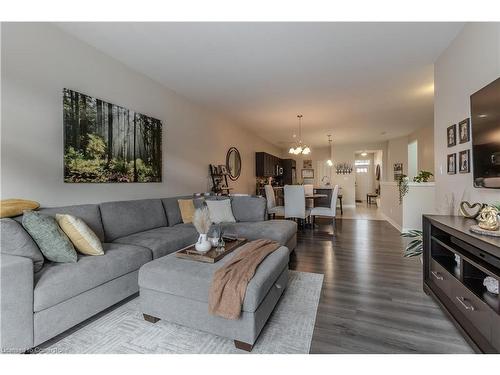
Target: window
x,y
361,162
361,170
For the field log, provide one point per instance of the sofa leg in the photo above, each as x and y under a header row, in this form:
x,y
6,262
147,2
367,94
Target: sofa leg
x,y
243,346
150,319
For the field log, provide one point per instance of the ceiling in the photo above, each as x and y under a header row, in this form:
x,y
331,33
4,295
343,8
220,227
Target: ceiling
x,y
360,82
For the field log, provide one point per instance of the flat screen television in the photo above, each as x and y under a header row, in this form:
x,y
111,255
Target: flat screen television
x,y
485,124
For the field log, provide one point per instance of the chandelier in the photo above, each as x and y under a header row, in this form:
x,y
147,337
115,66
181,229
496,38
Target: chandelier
x,y
299,147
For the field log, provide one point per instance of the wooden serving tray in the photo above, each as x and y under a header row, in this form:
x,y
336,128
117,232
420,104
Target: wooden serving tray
x,y
211,256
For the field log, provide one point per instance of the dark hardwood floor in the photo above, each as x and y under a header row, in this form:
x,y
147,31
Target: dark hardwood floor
x,y
372,299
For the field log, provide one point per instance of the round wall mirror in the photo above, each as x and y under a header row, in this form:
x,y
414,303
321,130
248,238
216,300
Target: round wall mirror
x,y
233,163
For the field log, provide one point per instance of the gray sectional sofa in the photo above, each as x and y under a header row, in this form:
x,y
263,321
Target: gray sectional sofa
x,y
36,306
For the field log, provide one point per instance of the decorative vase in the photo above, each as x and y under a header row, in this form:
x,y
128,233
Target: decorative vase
x,y
203,244
214,241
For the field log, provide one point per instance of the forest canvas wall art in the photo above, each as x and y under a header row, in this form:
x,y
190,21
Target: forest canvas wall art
x,y
104,142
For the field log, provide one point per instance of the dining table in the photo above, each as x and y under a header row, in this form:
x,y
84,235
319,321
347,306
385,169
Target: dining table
x,y
318,196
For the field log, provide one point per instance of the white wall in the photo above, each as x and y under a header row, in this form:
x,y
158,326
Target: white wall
x,y
389,204
39,60
417,202
397,152
471,62
424,137
412,159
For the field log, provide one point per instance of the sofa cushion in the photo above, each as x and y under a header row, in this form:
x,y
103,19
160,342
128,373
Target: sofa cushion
x,y
164,240
249,208
220,211
172,210
51,240
57,282
192,280
16,241
278,230
127,217
89,213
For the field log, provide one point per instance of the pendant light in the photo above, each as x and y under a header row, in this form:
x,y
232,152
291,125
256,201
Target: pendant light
x,y
300,148
329,162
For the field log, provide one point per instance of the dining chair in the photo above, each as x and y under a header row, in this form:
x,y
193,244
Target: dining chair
x,y
328,211
295,202
272,209
309,190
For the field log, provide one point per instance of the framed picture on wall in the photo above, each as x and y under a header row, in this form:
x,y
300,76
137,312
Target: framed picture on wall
x,y
464,131
107,143
451,135
452,164
307,173
307,164
398,171
464,161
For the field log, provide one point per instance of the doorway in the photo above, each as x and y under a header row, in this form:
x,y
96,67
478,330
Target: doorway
x,y
364,175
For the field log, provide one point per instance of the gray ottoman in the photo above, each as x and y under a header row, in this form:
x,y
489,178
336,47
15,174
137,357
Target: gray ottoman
x,y
176,290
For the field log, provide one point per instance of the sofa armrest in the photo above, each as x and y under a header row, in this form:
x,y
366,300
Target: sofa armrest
x,y
16,303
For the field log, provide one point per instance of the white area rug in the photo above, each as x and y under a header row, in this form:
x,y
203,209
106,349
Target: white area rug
x,y
123,330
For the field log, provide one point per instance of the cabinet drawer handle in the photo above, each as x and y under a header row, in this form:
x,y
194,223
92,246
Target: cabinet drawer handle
x,y
467,306
437,275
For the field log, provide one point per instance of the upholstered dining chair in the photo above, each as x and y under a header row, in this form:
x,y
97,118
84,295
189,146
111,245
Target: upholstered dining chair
x,y
328,211
272,209
309,190
295,203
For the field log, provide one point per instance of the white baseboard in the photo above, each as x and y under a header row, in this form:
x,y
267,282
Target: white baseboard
x,y
392,222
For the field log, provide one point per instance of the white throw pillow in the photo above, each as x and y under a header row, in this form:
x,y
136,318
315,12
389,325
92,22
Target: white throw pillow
x,y
220,211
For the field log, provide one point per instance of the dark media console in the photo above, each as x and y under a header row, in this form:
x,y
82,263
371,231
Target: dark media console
x,y
458,285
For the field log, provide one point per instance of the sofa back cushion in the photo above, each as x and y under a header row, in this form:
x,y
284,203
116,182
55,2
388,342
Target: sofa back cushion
x,y
246,208
89,213
16,241
172,210
127,217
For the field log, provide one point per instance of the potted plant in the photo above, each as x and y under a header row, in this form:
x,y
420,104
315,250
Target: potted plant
x,y
402,187
415,246
422,176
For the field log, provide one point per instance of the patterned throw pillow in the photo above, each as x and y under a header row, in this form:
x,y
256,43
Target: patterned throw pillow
x,y
83,238
51,240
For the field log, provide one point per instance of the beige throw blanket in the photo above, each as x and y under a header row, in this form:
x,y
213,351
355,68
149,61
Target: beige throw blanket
x,y
230,282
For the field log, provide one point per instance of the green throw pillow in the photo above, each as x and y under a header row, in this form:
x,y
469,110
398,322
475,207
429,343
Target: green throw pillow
x,y
51,240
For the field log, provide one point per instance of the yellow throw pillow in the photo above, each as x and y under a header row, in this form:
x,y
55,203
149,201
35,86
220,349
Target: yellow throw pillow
x,y
15,207
187,210
82,237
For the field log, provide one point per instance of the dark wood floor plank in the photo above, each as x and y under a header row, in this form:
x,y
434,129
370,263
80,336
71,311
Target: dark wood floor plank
x,y
372,299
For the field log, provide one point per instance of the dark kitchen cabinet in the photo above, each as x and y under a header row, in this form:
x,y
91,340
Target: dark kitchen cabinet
x,y
289,171
266,164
